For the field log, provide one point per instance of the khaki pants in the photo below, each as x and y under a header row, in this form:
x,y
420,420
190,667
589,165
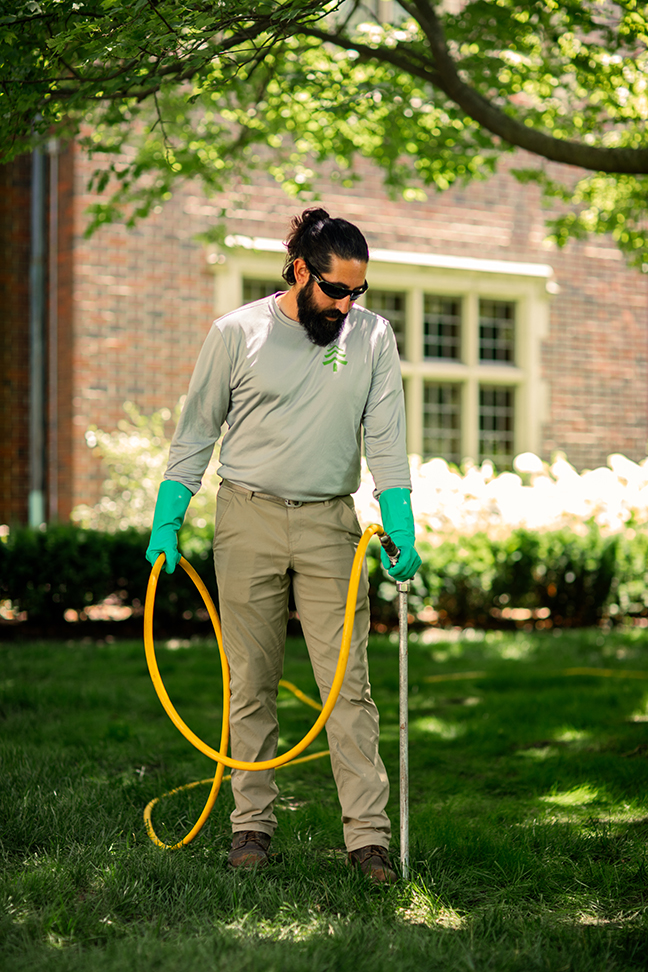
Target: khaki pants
x,y
257,542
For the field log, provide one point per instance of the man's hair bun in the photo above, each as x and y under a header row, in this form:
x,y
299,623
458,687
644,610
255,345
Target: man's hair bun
x,y
315,236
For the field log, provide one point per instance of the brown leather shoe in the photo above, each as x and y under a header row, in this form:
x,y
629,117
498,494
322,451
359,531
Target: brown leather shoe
x,y
374,862
249,849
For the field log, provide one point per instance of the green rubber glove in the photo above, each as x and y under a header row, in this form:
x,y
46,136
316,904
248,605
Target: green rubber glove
x,y
170,508
398,522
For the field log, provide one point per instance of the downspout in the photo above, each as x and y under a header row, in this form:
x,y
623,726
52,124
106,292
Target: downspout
x,y
37,344
52,454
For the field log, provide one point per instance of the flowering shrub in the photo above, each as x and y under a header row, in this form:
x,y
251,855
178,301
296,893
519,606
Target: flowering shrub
x,y
135,456
543,545
538,496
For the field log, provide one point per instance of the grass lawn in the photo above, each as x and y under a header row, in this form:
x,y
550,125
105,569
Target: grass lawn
x,y
529,815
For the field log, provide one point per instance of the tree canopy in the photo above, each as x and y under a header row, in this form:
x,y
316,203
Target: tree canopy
x,y
433,91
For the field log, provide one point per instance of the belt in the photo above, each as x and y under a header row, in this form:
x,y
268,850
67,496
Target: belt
x,y
290,503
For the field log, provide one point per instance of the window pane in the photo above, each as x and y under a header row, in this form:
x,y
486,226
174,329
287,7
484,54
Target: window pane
x,y
442,327
256,289
391,305
496,330
442,421
496,424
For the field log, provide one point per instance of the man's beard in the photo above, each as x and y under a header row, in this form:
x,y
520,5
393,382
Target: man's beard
x,y
322,327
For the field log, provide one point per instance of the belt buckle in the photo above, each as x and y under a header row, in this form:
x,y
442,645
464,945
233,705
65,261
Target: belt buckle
x,y
293,504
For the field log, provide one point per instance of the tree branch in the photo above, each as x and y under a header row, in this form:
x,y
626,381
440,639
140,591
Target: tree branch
x,y
163,19
178,70
594,158
399,56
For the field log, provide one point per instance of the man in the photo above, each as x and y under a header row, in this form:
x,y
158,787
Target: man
x,y
297,377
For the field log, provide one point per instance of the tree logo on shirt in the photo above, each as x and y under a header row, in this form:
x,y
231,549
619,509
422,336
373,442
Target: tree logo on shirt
x,y
335,356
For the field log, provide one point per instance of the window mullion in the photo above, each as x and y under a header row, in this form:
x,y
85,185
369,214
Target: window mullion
x,y
470,330
470,418
414,409
414,343
414,382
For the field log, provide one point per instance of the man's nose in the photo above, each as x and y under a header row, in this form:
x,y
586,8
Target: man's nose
x,y
343,305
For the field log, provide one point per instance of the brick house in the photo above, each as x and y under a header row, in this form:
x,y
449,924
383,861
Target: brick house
x,y
507,344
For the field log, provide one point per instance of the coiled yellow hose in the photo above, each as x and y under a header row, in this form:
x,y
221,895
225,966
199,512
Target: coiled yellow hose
x,y
220,755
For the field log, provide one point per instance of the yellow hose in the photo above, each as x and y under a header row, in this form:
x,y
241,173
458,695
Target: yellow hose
x,y
220,756
148,810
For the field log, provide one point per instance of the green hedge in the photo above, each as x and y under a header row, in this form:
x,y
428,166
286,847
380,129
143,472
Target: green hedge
x,y
573,579
46,572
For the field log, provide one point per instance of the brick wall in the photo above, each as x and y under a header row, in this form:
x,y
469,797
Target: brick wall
x,y
596,358
142,305
15,183
135,305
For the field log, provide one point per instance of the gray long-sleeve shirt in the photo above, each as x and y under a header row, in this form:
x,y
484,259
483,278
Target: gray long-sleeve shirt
x,y
295,411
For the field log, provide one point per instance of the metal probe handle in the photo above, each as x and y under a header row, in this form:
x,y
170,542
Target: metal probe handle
x,y
393,554
403,735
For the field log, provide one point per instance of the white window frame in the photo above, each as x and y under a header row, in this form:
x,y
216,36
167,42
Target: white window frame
x,y
528,285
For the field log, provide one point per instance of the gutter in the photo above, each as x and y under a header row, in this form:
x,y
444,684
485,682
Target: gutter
x,y
37,344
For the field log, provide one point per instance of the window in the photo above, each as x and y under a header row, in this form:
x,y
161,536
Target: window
x,y
442,327
392,306
257,289
496,424
466,394
469,333
496,331
442,421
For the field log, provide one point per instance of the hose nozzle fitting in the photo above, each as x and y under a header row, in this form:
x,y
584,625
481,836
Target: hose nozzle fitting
x,y
390,548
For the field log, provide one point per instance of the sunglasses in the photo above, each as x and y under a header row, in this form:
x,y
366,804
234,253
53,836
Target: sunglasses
x,y
336,291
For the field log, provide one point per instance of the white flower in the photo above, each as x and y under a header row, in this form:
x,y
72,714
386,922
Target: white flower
x,y
447,504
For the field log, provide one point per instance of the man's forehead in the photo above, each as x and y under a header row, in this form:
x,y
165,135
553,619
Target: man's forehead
x,y
346,271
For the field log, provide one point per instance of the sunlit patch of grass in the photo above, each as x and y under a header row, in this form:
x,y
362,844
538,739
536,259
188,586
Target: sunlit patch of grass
x,y
570,735
538,752
617,921
517,650
434,726
640,714
577,797
424,908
